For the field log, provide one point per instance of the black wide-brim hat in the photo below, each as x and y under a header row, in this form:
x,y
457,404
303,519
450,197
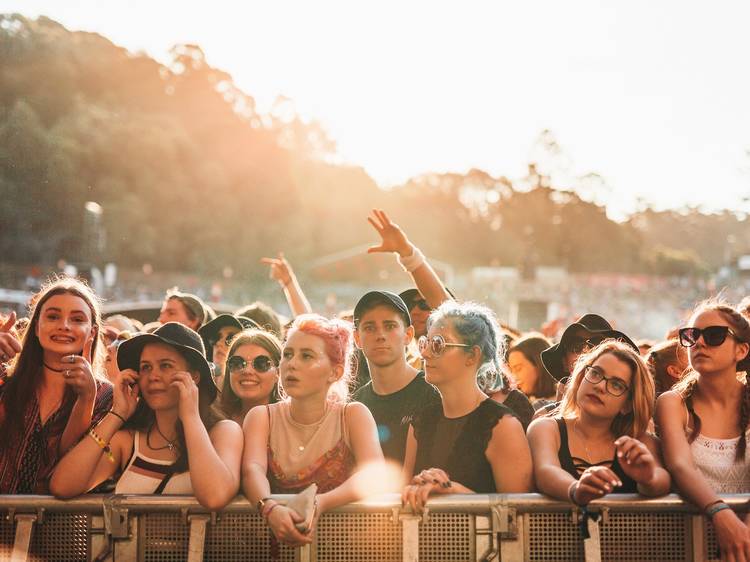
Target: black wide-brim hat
x,y
589,326
210,331
179,336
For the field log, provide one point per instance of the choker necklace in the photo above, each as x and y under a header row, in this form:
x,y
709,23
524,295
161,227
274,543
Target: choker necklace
x,y
52,368
171,445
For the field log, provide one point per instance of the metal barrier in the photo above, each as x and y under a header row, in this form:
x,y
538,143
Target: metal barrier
x,y
458,528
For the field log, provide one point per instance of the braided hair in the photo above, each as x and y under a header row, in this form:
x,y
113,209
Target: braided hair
x,y
686,387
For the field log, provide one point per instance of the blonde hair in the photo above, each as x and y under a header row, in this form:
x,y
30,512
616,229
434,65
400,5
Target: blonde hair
x,y
641,392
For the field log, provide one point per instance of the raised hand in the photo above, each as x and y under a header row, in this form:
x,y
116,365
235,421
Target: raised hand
x,y
636,460
280,270
125,393
393,239
78,374
9,345
188,390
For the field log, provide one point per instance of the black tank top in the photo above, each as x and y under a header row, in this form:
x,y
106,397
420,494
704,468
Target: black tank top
x,y
576,465
458,445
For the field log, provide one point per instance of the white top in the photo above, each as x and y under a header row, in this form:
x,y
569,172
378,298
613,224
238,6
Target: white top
x,y
715,459
143,475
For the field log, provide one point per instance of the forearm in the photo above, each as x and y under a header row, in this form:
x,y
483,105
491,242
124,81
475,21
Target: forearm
x,y
214,483
255,483
357,486
658,485
426,279
692,485
296,299
73,474
554,482
78,423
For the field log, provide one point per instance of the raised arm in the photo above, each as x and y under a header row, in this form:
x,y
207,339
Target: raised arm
x,y
393,239
282,272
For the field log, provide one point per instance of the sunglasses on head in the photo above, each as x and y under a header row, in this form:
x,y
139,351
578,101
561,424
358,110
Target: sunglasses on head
x,y
261,364
436,345
712,335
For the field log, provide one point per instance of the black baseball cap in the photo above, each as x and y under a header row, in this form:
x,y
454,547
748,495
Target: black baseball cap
x,y
375,298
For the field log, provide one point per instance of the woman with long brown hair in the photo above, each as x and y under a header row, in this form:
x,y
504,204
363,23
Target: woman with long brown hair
x,y
55,387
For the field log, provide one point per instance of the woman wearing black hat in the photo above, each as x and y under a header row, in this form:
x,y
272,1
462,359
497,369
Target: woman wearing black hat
x,y
155,436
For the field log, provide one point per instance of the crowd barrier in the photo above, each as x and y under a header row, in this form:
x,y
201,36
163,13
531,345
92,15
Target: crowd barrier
x,y
456,528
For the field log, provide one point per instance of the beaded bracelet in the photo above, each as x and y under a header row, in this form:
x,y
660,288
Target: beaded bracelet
x,y
102,444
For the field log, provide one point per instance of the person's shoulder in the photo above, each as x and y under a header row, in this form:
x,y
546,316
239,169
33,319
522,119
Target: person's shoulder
x,y
543,424
356,411
670,399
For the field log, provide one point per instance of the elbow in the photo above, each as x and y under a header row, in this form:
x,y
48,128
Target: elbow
x,y
60,491
215,502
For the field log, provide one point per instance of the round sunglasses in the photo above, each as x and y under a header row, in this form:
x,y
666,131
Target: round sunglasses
x,y
436,345
713,336
261,364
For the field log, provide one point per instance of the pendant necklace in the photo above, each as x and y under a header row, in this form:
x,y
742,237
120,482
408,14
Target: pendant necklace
x,y
171,445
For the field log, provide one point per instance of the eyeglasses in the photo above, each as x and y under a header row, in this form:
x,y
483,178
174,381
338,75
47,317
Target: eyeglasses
x,y
421,304
436,344
613,385
261,364
712,335
227,340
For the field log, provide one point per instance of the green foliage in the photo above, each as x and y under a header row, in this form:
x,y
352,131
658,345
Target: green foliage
x,y
192,178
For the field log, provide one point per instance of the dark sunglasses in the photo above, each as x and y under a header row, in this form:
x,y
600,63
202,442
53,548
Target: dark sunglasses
x,y
261,364
436,345
421,304
227,340
712,335
579,346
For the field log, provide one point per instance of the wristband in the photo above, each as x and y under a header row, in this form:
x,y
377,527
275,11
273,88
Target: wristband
x,y
715,508
117,415
103,445
270,509
412,262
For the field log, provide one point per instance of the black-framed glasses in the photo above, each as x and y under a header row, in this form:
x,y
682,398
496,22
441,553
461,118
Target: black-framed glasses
x,y
261,363
613,385
713,336
436,344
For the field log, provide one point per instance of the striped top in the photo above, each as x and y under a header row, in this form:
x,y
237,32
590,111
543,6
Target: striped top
x,y
143,475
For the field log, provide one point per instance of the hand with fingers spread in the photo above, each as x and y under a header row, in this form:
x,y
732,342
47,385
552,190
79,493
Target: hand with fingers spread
x,y
9,344
283,521
125,393
732,535
594,483
188,390
78,374
429,481
280,270
636,459
393,239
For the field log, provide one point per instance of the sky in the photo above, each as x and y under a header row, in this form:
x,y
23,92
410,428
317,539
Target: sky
x,y
654,96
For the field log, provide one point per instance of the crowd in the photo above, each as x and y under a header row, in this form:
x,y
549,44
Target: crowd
x,y
195,403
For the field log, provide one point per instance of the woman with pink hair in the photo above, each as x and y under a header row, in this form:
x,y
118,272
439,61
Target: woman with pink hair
x,y
313,436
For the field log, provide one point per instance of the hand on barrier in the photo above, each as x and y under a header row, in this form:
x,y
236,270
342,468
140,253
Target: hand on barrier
x,y
9,344
732,535
636,459
78,374
283,523
594,483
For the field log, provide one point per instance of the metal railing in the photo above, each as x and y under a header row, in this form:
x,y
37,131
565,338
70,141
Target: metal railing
x,y
457,528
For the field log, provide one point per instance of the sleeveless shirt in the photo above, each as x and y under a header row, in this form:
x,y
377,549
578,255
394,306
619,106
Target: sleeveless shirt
x,y
144,475
458,445
576,465
302,454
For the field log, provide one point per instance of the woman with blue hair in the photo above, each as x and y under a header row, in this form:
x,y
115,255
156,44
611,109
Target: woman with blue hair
x,y
468,442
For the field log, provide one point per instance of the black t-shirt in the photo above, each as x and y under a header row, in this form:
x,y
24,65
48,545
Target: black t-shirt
x,y
393,412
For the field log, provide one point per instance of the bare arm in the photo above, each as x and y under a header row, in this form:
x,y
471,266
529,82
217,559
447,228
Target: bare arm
x,y
282,272
363,436
551,478
510,457
395,240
